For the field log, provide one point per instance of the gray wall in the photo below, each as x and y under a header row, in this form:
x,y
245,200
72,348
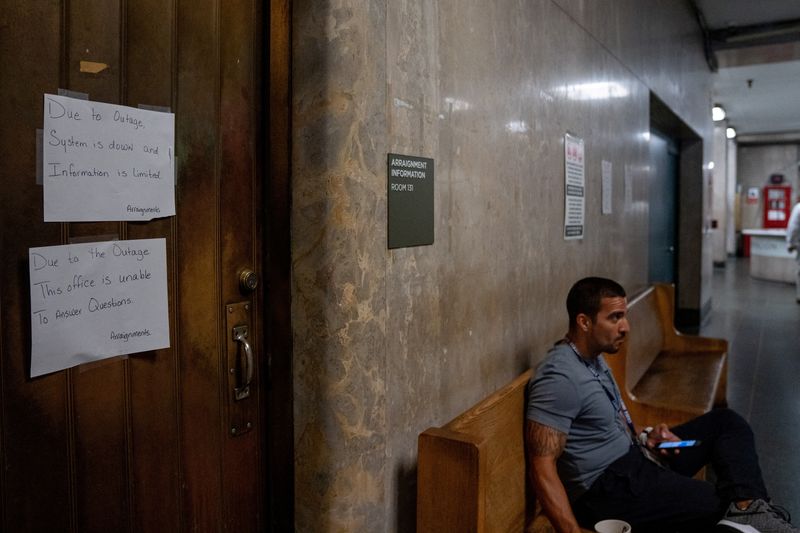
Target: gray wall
x,y
720,210
390,342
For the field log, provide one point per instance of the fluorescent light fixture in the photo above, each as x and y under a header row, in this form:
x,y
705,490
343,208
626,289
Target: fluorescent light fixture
x,y
601,90
730,133
710,165
717,113
517,126
456,104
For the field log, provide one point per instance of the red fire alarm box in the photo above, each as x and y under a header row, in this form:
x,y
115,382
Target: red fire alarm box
x,y
777,205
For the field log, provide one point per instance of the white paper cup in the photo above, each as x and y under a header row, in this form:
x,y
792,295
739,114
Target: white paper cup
x,y
612,526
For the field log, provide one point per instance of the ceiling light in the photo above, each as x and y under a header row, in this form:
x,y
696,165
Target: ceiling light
x,y
710,165
730,133
517,126
601,90
456,104
717,113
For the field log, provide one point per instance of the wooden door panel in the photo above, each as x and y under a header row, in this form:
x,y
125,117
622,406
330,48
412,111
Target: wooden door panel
x,y
101,447
153,377
97,392
34,418
197,118
239,198
138,443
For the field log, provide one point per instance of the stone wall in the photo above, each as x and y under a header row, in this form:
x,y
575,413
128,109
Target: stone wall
x,y
390,342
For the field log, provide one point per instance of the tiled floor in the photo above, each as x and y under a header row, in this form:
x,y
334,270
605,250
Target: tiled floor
x,y
761,321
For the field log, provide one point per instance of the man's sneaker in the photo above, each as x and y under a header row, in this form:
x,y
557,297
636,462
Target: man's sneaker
x,y
759,517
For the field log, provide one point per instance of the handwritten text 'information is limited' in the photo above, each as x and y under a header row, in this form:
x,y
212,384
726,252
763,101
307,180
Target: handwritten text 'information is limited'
x,y
106,162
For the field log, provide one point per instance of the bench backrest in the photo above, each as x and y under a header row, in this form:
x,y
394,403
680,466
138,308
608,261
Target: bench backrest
x,y
472,471
646,338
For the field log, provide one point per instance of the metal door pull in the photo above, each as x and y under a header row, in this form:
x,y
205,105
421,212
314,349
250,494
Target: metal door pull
x,y
243,391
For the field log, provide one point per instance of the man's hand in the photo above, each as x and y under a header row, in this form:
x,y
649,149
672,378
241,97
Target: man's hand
x,y
661,433
544,445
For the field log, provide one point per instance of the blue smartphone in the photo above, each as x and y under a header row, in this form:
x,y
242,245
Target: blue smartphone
x,y
678,444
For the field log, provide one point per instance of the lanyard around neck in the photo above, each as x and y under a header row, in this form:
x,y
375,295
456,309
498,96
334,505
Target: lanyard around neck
x,y
612,394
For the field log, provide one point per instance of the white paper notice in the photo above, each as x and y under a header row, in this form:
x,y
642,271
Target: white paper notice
x,y
106,162
628,187
97,300
607,186
574,187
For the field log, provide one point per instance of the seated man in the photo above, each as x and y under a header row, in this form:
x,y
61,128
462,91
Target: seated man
x,y
587,464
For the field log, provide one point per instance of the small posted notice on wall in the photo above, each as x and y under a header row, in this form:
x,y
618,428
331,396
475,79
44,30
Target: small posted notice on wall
x,y
574,186
628,187
106,162
97,300
607,186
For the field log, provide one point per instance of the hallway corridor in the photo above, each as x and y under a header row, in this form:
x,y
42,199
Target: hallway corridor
x,y
761,321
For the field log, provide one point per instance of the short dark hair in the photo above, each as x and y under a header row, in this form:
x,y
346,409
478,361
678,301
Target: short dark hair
x,y
585,296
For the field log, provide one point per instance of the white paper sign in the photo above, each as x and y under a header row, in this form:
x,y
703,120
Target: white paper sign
x,y
574,187
97,300
607,187
106,162
628,187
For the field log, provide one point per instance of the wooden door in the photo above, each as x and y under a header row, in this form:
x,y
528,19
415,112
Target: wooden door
x,y
145,442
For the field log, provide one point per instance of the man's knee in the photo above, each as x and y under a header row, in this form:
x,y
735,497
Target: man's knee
x,y
729,419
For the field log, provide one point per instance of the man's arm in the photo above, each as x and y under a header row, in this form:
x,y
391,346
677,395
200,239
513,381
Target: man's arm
x,y
545,445
793,229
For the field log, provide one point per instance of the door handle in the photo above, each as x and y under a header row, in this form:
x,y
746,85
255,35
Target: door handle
x,y
241,378
245,370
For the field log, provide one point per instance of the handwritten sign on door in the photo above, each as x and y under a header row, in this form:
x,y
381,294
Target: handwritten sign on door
x,y
97,300
106,162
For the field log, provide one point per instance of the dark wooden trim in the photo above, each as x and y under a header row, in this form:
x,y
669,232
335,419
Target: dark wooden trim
x,y
279,423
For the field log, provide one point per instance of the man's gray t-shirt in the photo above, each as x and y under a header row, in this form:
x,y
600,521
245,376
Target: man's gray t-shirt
x,y
568,396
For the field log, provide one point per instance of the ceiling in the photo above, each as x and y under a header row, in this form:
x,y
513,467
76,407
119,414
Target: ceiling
x,y
754,48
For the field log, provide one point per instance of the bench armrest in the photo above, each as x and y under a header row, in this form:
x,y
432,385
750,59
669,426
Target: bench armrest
x,y
450,482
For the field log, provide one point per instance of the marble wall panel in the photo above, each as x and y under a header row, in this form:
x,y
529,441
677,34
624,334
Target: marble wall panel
x,y
719,201
339,264
390,342
659,41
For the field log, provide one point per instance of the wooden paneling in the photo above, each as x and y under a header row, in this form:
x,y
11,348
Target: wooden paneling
x,y
142,443
198,277
36,462
279,413
153,377
240,109
99,397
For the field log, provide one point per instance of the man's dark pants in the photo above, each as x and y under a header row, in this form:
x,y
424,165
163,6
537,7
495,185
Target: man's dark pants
x,y
657,499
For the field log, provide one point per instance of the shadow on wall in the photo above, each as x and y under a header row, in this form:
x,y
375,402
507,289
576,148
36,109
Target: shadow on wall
x,y
406,473
407,497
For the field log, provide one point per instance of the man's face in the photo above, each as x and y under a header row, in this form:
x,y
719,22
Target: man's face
x,y
609,329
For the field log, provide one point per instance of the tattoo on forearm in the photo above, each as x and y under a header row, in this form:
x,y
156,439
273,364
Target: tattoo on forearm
x,y
543,440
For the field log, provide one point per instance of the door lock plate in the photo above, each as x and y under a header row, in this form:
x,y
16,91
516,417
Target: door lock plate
x,y
241,368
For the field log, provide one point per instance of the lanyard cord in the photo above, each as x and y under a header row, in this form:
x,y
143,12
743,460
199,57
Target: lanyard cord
x,y
613,395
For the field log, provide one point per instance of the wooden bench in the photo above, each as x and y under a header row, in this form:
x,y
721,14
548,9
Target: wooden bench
x,y
471,475
472,471
665,376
